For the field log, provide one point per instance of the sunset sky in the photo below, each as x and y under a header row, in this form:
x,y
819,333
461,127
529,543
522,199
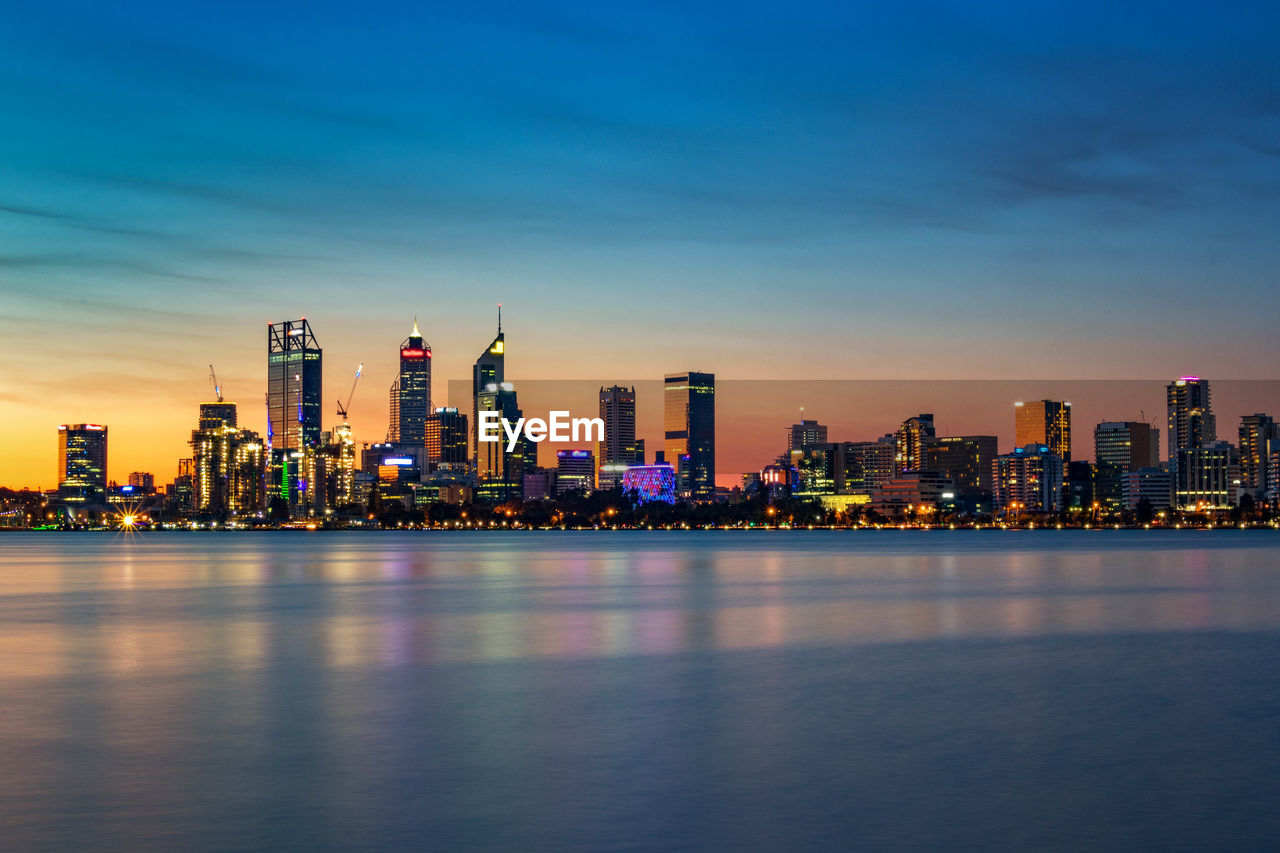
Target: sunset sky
x,y
764,191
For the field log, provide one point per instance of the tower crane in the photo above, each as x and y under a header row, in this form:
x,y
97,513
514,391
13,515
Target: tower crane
x,y
342,407
217,389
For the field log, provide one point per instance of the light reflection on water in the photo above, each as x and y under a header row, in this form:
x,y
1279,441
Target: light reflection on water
x,y
341,668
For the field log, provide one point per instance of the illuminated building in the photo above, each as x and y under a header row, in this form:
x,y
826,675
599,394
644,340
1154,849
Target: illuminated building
x,y
499,473
651,483
411,392
294,367
331,470
1257,433
620,448
1191,419
1207,476
963,459
912,490
219,414
445,436
395,469
689,423
180,498
489,370
82,463
1118,448
1154,483
575,471
910,443
1028,479
1046,422
817,468
293,386
805,433
143,481
227,464
868,465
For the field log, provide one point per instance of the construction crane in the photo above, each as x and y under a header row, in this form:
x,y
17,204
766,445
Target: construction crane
x,y
342,408
217,389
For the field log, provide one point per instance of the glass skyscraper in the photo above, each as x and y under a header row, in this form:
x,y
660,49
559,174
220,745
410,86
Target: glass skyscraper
x,y
82,463
411,392
489,369
689,423
1046,422
293,386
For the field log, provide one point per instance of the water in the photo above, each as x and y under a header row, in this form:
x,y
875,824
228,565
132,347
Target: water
x,y
640,691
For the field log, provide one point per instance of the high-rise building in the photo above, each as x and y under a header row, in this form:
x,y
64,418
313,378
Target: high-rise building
x,y
620,448
1046,422
293,386
228,464
1191,420
868,465
1028,479
804,433
1120,447
910,442
411,392
1207,475
575,471
143,481
689,423
1257,432
489,369
445,435
965,460
82,463
499,472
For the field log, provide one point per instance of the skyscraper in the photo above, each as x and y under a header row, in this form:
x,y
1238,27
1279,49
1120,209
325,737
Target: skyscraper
x,y
620,448
575,471
499,472
82,463
293,386
1120,447
411,392
446,439
805,433
489,369
965,460
1191,420
1044,422
1030,478
689,423
227,464
910,442
1257,434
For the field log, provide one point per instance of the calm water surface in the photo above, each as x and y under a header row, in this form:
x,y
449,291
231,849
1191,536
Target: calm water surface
x,y
617,691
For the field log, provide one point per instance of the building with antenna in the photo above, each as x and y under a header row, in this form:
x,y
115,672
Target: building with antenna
x,y
488,370
411,391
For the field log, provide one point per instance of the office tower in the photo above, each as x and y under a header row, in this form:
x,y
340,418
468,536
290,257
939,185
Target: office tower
x,y
411,391
340,468
1118,448
1028,480
575,471
1257,432
965,460
868,465
804,433
499,472
1191,420
227,464
1207,476
618,411
489,369
293,386
219,414
82,463
819,469
445,435
689,423
1046,422
910,442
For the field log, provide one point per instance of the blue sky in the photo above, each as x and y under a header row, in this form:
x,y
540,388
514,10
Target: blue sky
x,y
763,190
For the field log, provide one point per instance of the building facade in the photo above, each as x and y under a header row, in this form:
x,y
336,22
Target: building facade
x,y
411,391
82,463
1044,422
1027,480
689,421
1189,402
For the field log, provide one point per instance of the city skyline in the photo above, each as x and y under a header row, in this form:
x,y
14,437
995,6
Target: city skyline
x,y
943,195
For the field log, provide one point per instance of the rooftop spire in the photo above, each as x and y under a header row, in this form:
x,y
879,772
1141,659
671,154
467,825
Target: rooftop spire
x,y
499,318
416,333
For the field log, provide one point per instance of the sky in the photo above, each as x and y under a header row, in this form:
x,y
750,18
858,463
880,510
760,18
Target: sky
x,y
987,191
